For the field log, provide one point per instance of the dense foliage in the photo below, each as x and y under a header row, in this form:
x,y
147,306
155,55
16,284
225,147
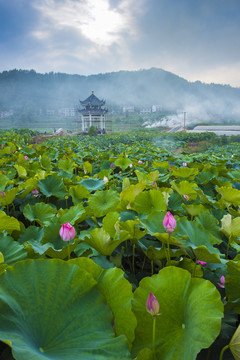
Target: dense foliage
x,y
86,298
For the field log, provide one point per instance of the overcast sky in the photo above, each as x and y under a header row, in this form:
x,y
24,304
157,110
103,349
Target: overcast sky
x,y
195,39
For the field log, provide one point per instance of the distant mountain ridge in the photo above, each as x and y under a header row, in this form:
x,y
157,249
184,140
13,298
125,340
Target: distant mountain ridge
x,y
142,88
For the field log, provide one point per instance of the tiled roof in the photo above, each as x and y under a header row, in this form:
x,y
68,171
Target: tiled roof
x,y
92,100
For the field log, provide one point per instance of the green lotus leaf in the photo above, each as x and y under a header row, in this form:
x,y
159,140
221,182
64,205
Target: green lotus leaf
x,y
197,236
230,227
204,177
103,201
53,310
26,187
22,172
175,202
8,223
11,250
202,253
210,223
122,162
28,150
230,195
148,202
73,214
57,248
191,311
232,284
193,209
4,182
111,282
92,184
78,193
189,265
52,185
66,165
145,354
40,212
134,230
111,223
87,168
154,223
33,236
9,196
165,239
185,188
45,162
130,193
100,240
31,233
184,172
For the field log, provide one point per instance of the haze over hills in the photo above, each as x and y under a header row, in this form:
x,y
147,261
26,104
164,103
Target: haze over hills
x,y
21,89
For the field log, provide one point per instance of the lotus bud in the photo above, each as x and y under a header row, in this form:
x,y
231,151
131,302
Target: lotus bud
x,y
222,282
140,162
131,165
25,157
186,197
105,179
154,183
203,263
67,232
152,305
2,146
169,222
3,193
35,192
184,164
112,166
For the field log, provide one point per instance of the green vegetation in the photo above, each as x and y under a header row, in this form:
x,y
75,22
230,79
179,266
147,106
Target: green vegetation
x,y
85,297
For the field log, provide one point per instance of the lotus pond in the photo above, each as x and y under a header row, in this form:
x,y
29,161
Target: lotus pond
x,y
122,286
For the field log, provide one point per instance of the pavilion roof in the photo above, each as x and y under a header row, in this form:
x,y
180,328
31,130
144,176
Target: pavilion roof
x,y
92,100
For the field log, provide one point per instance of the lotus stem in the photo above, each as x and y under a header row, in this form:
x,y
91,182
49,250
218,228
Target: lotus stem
x,y
222,352
153,338
194,268
152,267
168,250
68,251
133,264
229,240
143,262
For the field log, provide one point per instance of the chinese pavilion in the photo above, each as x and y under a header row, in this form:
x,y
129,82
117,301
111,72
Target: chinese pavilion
x,y
93,114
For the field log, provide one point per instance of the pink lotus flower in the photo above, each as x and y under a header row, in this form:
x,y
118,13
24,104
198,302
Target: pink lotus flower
x,y
154,183
152,305
222,282
2,145
140,162
131,165
186,197
67,232
112,166
169,222
203,263
25,157
35,192
3,193
3,171
184,164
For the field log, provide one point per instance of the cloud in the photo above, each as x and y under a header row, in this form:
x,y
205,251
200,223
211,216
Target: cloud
x,y
87,30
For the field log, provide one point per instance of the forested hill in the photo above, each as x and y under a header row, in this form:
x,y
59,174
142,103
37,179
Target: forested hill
x,y
21,88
